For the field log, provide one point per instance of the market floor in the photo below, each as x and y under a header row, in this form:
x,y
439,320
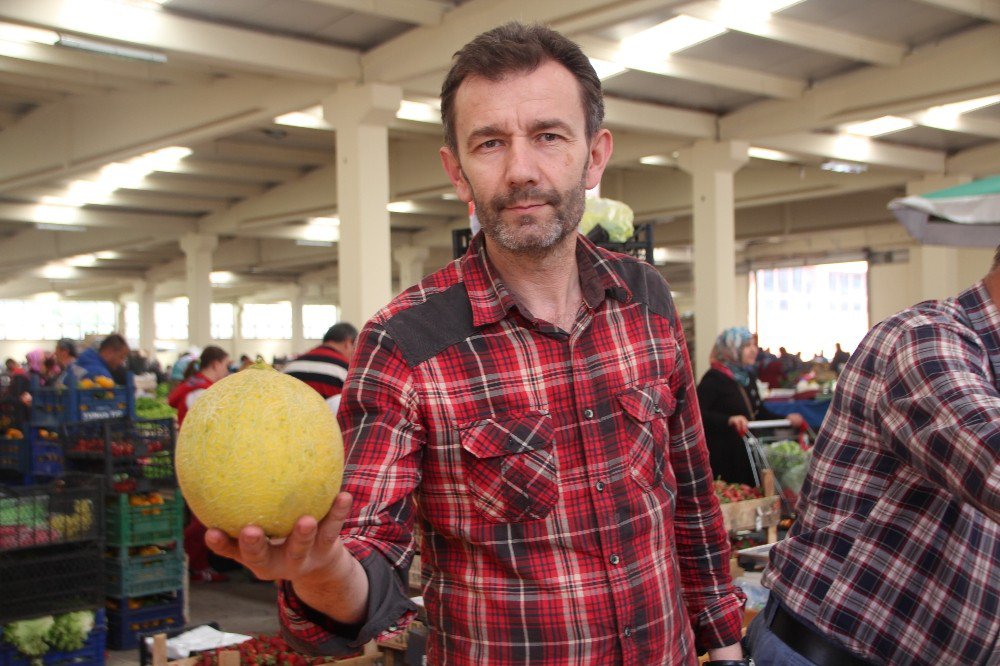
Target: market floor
x,y
238,605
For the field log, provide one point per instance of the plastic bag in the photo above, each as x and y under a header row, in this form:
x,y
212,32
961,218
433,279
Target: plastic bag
x,y
613,216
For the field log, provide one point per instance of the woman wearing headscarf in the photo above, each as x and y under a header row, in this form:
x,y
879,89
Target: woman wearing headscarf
x,y
729,400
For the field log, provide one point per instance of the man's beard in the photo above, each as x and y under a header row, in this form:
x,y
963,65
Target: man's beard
x,y
532,235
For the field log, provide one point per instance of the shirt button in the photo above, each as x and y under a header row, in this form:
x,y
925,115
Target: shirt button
x,y
628,632
588,413
614,559
600,486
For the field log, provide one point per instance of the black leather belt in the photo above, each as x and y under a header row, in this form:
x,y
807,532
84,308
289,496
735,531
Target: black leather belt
x,y
806,642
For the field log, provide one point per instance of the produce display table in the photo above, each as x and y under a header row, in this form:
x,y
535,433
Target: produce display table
x,y
813,411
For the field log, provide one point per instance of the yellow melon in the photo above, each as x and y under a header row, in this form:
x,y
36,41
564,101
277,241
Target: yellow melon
x,y
259,447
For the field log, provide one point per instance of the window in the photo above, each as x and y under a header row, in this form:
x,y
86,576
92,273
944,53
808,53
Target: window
x,y
51,319
267,321
132,326
316,319
172,320
794,321
222,321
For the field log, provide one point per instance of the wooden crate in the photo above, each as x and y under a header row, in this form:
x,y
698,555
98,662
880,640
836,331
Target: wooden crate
x,y
370,657
755,514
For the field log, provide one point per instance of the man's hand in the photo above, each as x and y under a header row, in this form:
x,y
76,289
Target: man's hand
x,y
313,558
796,419
740,424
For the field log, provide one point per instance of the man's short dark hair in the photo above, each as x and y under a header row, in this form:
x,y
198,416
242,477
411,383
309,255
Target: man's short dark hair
x,y
518,48
341,332
114,342
68,346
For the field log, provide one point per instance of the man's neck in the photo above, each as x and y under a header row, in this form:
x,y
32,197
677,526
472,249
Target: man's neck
x,y
336,346
549,286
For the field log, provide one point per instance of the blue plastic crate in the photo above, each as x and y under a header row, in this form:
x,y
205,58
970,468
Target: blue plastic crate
x,y
133,575
132,456
53,406
91,654
159,612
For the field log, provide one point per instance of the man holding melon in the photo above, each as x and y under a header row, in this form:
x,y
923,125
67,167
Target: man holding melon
x,y
532,406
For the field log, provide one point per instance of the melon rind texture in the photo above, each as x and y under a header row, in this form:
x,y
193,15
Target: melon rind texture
x,y
259,448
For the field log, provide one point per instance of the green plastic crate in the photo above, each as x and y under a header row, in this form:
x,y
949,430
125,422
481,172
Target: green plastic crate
x,y
129,525
133,575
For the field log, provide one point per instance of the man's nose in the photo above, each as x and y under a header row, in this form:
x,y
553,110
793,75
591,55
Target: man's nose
x,y
522,164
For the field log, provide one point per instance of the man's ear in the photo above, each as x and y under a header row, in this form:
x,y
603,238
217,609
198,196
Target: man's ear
x,y
601,147
453,168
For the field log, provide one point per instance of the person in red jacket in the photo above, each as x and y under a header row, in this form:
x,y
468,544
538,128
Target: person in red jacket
x,y
212,366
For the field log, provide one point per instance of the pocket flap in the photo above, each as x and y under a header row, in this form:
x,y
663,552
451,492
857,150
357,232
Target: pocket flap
x,y
649,402
503,437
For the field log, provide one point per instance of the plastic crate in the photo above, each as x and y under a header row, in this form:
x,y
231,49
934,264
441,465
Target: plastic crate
x,y
158,612
135,575
640,245
62,511
91,654
54,406
50,579
131,524
28,460
133,456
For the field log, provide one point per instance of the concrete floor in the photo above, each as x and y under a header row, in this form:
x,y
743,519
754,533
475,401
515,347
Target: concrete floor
x,y
238,605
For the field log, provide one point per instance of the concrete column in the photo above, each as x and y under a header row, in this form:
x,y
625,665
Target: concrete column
x,y
198,250
295,295
120,314
411,264
712,165
360,115
145,295
935,268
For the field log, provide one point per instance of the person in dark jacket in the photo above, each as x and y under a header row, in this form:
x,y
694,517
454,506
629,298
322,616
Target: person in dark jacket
x,y
729,400
108,360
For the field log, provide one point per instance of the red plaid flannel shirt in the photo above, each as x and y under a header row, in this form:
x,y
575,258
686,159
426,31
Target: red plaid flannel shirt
x,y
561,479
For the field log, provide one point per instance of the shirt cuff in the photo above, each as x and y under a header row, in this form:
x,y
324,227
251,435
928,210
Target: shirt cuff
x,y
389,611
721,623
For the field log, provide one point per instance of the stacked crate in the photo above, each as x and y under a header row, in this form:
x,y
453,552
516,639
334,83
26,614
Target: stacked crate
x,y
51,559
144,518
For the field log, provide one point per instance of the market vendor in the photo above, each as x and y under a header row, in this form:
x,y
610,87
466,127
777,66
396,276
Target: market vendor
x,y
729,400
108,360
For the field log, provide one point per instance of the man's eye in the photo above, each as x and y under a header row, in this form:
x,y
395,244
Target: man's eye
x,y
492,143
548,136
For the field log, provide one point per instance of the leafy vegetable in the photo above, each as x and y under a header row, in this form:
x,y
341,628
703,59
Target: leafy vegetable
x,y
28,636
70,630
789,462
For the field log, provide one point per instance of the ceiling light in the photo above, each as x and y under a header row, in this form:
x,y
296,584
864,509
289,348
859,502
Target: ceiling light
x,y
106,255
328,221
878,126
837,166
606,69
313,243
107,48
946,116
221,277
657,160
311,118
25,34
401,207
49,211
163,158
55,226
449,196
57,272
418,111
661,40
82,260
768,154
852,148
321,232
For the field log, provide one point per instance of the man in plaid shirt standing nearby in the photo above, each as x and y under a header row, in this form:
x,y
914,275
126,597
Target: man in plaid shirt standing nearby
x,y
895,558
532,406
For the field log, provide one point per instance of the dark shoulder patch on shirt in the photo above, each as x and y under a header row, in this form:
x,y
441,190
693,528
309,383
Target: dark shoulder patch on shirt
x,y
647,286
426,329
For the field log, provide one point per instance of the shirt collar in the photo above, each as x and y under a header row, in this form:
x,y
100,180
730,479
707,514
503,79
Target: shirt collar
x,y
491,300
985,319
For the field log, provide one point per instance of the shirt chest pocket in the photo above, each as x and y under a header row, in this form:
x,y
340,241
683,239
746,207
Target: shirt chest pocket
x,y
510,467
647,412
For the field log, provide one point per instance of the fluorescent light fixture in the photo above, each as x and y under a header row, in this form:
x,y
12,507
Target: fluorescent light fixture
x,y
657,160
606,69
57,272
878,126
51,211
162,158
321,230
838,166
325,221
107,48
221,277
674,35
418,111
946,116
55,226
311,118
768,154
13,32
106,255
313,243
449,196
852,148
82,260
401,207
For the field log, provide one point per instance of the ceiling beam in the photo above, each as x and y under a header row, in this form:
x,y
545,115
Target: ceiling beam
x,y
799,33
89,217
857,149
418,12
962,123
188,37
702,71
32,247
138,199
218,170
977,162
87,132
263,152
985,9
933,75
